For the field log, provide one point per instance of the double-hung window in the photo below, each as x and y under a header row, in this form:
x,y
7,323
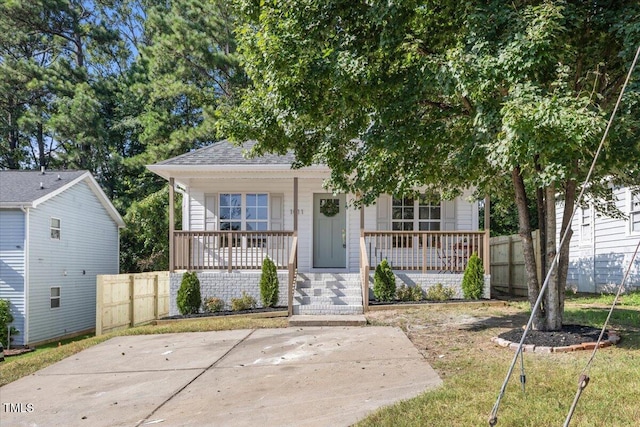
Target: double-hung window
x,y
55,228
54,298
586,221
409,214
634,211
244,212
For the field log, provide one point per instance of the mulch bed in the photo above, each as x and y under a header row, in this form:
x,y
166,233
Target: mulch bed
x,y
569,335
224,313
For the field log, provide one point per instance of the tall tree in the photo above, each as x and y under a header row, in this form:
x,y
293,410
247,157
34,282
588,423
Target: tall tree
x,y
397,95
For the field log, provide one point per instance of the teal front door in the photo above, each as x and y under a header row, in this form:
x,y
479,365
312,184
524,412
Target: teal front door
x,y
329,231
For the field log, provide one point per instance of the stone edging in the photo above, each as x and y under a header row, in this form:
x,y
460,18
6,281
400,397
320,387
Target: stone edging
x,y
613,339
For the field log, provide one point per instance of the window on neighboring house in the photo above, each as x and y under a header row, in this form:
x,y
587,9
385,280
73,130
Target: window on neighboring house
x,y
55,228
249,212
408,214
585,224
634,211
55,297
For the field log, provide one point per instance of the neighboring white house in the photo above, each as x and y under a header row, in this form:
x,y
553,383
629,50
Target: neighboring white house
x,y
237,210
602,247
58,230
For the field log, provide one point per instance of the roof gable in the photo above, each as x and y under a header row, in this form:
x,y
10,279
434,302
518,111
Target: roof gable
x,y
27,189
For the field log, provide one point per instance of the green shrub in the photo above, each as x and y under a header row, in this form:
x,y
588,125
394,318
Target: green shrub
x,y
245,302
473,280
406,293
189,299
5,319
439,293
213,305
269,284
384,282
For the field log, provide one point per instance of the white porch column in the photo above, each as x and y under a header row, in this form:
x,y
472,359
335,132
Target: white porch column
x,y
171,223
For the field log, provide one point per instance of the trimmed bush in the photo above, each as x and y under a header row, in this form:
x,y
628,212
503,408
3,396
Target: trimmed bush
x,y
189,299
473,279
269,284
213,305
245,302
439,293
5,319
384,282
406,293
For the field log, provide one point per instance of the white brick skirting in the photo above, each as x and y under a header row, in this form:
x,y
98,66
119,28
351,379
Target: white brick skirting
x,y
226,285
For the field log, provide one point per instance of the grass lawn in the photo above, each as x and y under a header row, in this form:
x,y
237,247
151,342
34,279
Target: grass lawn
x,y
456,343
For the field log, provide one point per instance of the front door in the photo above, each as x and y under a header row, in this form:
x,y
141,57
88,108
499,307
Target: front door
x,y
329,231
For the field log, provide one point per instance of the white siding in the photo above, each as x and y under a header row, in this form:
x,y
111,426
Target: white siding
x,y
88,246
598,262
12,265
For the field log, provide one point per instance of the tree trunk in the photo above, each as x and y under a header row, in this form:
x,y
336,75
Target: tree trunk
x,y
553,309
42,158
524,230
563,259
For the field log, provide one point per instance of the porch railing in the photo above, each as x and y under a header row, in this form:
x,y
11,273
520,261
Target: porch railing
x,y
220,250
293,270
436,251
364,273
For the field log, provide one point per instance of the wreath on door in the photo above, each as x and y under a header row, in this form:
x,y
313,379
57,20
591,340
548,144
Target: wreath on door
x,y
329,207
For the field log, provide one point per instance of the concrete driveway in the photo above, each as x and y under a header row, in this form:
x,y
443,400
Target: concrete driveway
x,y
307,376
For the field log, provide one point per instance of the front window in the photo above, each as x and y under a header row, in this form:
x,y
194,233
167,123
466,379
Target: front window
x,y
55,228
244,212
634,212
408,214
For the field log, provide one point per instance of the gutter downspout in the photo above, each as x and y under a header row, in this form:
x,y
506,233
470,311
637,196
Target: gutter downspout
x,y
26,276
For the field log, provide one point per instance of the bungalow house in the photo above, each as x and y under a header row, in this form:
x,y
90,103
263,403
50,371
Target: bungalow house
x,y
602,247
58,230
238,210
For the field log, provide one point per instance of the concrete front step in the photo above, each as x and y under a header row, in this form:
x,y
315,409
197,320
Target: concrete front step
x,y
324,309
328,300
328,320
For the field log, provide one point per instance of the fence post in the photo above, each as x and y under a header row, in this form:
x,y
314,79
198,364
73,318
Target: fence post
x,y
156,299
99,303
510,266
132,300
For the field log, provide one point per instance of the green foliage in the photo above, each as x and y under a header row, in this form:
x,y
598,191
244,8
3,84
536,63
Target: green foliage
x,y
406,293
473,279
189,299
5,319
438,292
144,245
213,305
384,282
269,284
245,302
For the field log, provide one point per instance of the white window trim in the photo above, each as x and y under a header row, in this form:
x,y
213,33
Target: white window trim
x,y
586,239
52,228
59,297
243,206
416,215
631,211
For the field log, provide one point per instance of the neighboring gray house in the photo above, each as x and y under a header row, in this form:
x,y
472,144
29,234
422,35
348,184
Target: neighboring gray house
x,y
58,230
602,247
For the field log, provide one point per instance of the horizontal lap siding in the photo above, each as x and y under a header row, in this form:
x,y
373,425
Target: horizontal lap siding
x,y
12,265
89,242
602,267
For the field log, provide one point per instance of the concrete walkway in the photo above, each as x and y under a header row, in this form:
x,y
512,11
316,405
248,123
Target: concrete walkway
x,y
312,376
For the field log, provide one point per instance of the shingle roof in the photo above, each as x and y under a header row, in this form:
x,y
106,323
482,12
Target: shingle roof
x,y
226,153
25,186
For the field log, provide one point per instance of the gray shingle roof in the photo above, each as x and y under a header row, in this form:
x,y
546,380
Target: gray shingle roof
x,y
226,153
24,186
